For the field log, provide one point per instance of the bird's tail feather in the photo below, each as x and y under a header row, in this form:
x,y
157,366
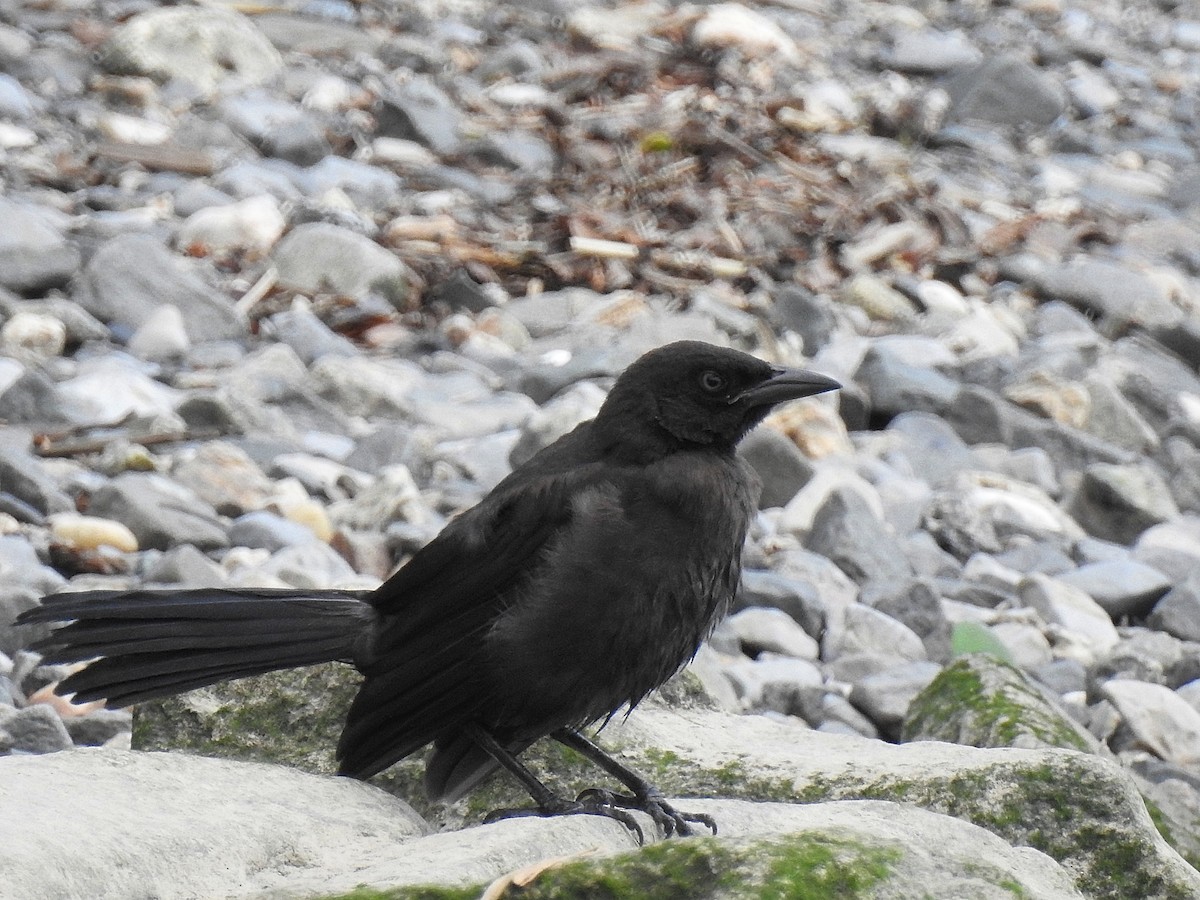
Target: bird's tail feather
x,y
146,644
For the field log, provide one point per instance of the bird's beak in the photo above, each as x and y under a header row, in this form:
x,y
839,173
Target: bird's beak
x,y
787,384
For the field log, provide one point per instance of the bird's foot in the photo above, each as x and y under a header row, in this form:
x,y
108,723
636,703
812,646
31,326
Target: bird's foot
x,y
671,821
589,803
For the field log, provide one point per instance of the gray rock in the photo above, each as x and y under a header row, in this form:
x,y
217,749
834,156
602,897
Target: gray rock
x,y
20,565
868,631
797,309
761,629
224,476
979,415
249,815
981,512
1117,295
1118,503
884,697
1005,90
1058,603
305,333
917,604
268,531
319,258
310,565
517,150
99,726
1122,587
23,476
370,187
35,729
439,404
1114,418
1026,643
933,449
1182,459
132,276
980,701
847,531
799,598
376,388
1034,556
836,711
109,388
15,101
34,254
1172,547
161,336
929,52
780,465
1178,612
1091,93
185,565
1156,719
1032,465
420,111
927,558
80,325
317,36
771,682
204,46
160,513
14,600
1156,381
895,385
484,460
341,836
1062,676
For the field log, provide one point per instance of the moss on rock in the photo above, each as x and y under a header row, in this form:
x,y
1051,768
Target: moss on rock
x,y
981,701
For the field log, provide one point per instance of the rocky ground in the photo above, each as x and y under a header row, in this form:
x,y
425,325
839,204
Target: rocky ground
x,y
283,288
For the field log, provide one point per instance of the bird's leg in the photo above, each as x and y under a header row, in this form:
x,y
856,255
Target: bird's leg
x,y
547,802
646,797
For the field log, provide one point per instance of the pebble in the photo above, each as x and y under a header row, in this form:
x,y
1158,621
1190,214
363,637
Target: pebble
x,y
761,629
160,513
92,532
34,253
1158,719
1068,607
726,25
203,46
132,276
249,226
321,258
162,335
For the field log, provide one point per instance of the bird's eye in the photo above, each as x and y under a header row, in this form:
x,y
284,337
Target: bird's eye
x,y
713,382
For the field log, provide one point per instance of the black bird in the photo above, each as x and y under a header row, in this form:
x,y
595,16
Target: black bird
x,y
582,582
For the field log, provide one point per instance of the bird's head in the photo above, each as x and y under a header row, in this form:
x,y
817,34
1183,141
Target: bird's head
x,y
691,394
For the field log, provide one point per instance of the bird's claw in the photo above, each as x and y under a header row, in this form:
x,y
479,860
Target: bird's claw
x,y
589,803
671,822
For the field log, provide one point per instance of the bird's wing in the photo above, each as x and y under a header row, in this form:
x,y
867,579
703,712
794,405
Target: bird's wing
x,y
423,674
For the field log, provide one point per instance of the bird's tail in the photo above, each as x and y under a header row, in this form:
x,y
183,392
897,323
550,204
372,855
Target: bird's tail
x,y
145,644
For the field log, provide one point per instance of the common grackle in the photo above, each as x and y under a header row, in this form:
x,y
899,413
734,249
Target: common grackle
x,y
582,582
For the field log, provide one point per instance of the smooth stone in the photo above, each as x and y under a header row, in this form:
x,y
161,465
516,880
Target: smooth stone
x,y
1061,604
133,276
201,45
1158,719
761,629
320,258
1122,587
34,254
